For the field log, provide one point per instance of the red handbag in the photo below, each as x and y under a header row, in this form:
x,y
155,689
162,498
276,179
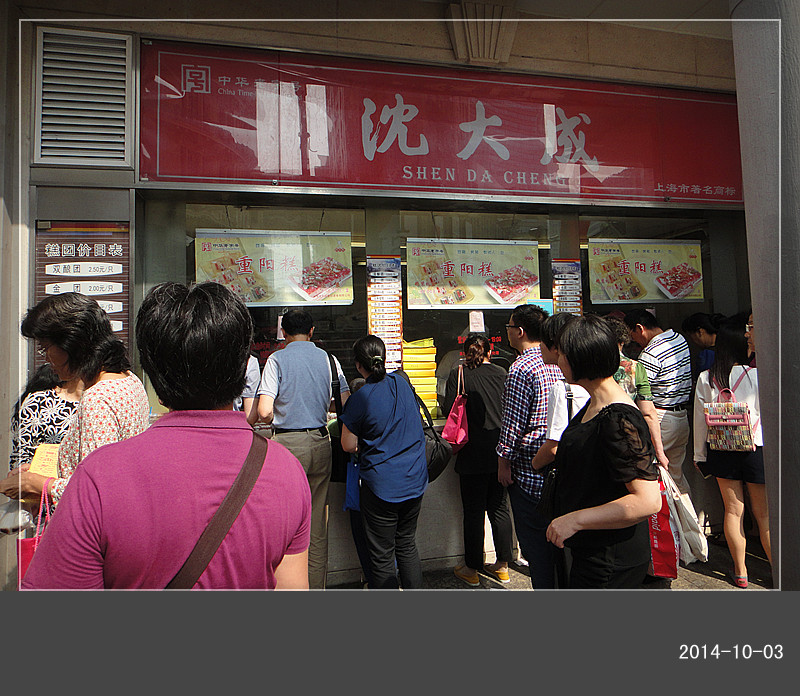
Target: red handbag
x,y
455,429
27,547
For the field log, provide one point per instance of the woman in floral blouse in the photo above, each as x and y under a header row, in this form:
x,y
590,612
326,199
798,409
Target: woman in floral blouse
x,y
42,414
74,335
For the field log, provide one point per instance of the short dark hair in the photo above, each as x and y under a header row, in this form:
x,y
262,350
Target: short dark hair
x,y
701,320
530,318
552,325
370,352
643,317
79,326
590,347
194,343
297,322
621,330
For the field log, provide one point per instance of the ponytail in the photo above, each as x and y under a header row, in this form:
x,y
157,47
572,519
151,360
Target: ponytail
x,y
370,353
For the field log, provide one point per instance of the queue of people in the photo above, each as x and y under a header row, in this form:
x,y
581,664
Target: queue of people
x,y
74,335
571,402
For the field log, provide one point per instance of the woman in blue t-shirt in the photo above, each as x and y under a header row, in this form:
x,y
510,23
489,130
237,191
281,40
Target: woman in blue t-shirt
x,y
381,421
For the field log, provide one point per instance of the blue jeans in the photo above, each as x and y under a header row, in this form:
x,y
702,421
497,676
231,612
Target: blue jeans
x,y
531,527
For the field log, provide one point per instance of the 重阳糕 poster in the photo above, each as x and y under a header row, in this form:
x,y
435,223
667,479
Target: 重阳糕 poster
x,y
644,270
277,268
473,274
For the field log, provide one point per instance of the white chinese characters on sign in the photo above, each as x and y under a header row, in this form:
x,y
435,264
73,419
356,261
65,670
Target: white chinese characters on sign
x,y
478,129
54,249
563,136
399,115
564,142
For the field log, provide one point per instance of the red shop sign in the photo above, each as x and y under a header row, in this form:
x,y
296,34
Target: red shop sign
x,y
244,116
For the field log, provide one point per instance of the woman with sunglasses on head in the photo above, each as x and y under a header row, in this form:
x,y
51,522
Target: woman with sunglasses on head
x,y
74,335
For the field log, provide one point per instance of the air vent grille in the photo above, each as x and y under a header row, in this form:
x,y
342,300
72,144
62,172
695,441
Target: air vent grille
x,y
84,98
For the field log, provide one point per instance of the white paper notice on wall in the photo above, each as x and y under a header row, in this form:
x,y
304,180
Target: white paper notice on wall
x,y
279,331
476,322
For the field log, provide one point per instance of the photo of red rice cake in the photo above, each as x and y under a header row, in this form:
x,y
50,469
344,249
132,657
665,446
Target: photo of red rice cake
x,y
615,284
512,285
678,281
321,278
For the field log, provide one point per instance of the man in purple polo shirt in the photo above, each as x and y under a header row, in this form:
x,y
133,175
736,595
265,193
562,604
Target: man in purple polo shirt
x,y
134,510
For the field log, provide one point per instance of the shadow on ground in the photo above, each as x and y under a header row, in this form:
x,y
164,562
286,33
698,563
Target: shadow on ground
x,y
714,574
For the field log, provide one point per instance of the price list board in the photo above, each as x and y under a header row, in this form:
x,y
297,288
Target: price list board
x,y
385,306
567,293
92,258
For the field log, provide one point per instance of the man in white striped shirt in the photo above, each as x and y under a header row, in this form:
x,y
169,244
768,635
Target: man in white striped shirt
x,y
665,357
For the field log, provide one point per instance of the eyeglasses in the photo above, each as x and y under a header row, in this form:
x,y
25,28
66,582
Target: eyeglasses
x,y
42,350
513,326
748,327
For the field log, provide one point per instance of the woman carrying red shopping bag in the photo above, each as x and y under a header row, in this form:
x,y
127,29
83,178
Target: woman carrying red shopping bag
x,y
481,384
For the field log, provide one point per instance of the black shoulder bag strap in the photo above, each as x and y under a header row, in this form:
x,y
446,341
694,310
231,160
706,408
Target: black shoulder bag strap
x,y
336,387
570,396
427,418
223,518
426,413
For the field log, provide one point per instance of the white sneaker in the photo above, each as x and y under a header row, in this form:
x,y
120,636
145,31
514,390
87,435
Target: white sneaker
x,y
521,561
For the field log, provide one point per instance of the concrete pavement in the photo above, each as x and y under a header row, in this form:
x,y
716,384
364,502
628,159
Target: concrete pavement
x,y
714,574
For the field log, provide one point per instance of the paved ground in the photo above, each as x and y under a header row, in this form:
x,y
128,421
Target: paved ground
x,y
714,574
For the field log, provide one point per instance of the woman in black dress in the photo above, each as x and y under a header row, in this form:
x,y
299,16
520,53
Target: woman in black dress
x,y
476,462
607,479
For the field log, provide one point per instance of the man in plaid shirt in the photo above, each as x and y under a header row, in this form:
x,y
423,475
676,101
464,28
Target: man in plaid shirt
x,y
523,433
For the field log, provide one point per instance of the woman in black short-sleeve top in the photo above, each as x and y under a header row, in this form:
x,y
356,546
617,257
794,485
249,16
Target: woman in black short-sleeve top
x,y
607,478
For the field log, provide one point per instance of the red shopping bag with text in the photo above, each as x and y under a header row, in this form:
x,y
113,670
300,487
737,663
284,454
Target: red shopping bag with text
x,y
664,541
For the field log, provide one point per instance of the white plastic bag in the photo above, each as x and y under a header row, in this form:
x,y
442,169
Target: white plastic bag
x,y
694,545
13,518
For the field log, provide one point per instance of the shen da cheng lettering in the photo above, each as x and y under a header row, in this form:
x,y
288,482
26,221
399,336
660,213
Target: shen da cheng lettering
x,y
280,118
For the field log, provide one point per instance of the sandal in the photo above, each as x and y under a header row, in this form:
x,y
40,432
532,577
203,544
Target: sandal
x,y
740,581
